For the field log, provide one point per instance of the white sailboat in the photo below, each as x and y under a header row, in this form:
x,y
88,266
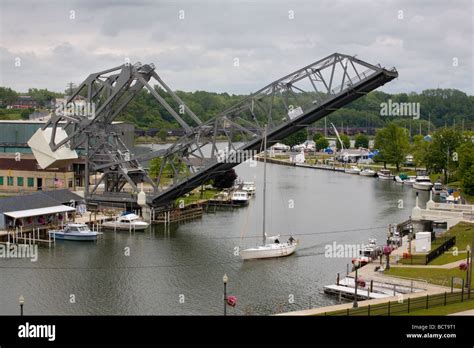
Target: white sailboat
x,y
275,248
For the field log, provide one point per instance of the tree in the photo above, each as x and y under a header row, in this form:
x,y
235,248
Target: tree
x,y
392,143
296,138
468,181
322,143
441,155
466,166
345,140
225,180
317,136
162,134
361,140
419,150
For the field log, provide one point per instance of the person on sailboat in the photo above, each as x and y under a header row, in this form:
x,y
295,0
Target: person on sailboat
x,y
291,240
277,241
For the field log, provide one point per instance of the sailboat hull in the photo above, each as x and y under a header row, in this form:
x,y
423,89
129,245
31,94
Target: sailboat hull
x,y
268,251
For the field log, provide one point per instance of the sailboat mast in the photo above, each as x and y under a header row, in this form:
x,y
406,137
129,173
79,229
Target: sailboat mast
x,y
264,179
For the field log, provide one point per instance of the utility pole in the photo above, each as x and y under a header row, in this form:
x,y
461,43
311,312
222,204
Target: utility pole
x,y
429,123
70,88
470,272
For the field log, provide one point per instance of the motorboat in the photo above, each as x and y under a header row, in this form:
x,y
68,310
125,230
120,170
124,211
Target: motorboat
x,y
127,221
410,180
385,174
76,232
422,183
401,178
369,253
437,188
240,197
249,187
367,172
353,170
271,246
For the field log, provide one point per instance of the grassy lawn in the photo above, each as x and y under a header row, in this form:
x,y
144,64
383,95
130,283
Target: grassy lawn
x,y
438,276
195,196
443,310
464,233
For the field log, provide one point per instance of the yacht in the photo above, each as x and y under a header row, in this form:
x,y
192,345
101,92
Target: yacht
x,y
127,221
385,174
368,172
76,232
353,170
249,187
422,183
240,197
437,188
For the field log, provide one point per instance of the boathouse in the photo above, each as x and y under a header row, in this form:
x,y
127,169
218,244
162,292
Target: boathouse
x,y
38,210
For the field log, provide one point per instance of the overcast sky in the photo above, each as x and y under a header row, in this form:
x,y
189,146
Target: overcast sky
x,y
422,39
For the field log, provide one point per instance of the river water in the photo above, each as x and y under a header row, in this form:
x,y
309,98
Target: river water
x,y
179,271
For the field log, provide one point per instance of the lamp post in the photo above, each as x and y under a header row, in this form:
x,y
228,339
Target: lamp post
x,y
21,300
356,265
224,280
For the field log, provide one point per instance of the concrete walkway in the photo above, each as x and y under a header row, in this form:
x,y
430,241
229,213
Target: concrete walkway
x,y
454,264
469,312
367,273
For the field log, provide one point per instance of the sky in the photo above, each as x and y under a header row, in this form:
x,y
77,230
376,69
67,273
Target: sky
x,y
195,44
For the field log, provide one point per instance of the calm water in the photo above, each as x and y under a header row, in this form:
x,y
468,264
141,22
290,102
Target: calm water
x,y
188,261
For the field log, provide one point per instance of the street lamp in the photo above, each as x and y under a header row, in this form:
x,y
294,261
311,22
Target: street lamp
x,y
21,300
224,280
356,265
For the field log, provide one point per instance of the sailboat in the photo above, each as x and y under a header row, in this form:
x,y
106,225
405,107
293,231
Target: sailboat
x,y
274,248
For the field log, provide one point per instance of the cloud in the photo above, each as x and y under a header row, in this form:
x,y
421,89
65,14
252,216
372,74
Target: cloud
x,y
62,41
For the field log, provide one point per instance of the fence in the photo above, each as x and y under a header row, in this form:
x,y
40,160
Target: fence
x,y
406,306
433,254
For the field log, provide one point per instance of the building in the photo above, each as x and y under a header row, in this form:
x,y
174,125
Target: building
x,y
14,134
24,102
37,210
20,173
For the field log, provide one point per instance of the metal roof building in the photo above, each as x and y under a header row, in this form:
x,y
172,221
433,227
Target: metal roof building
x,y
37,203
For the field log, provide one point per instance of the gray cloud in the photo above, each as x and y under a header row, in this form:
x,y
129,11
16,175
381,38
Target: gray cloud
x,y
197,52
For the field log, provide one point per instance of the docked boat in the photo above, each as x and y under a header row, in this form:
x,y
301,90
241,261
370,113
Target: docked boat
x,y
353,170
76,232
385,174
249,187
369,253
240,197
271,246
437,188
410,180
422,183
367,172
127,221
401,178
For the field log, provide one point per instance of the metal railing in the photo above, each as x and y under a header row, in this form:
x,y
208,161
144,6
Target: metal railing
x,y
404,306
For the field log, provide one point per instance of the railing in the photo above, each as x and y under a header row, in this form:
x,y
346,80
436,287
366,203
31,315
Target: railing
x,y
424,259
404,306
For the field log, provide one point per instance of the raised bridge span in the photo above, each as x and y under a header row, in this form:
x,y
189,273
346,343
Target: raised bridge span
x,y
283,107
